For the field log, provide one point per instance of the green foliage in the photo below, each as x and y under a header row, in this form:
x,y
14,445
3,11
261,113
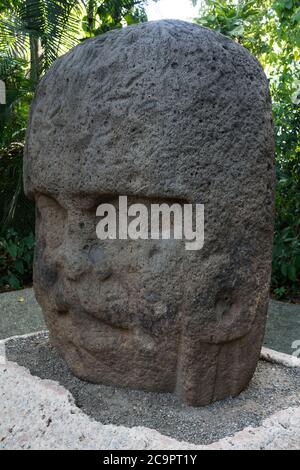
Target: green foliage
x,y
105,15
16,257
15,209
228,17
270,29
286,261
39,31
13,115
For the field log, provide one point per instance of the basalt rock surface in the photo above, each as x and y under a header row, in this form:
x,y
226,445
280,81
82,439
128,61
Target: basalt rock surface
x,y
163,112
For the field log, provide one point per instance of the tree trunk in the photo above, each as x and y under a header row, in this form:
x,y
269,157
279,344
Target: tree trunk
x,y
35,59
91,16
34,10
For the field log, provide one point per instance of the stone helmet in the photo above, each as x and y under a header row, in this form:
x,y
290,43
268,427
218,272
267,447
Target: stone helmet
x,y
162,112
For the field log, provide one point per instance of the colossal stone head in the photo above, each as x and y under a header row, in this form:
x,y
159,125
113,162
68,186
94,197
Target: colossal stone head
x,y
163,112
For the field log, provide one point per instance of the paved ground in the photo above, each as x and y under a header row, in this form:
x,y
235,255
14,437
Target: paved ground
x,y
20,314
283,328
41,414
274,388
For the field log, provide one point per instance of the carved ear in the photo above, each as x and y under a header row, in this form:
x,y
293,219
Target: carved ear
x,y
44,201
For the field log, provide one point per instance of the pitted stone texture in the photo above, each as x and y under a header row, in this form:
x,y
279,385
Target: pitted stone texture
x,y
161,112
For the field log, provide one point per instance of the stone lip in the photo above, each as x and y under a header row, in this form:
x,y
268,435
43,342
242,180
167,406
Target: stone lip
x,y
41,414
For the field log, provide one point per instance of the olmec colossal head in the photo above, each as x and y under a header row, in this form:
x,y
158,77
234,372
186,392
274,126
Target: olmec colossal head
x,y
164,112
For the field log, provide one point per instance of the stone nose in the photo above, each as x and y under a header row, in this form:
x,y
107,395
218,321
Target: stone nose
x,y
73,262
76,261
101,264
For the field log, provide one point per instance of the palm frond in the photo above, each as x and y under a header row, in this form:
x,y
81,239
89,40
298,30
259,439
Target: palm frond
x,y
55,23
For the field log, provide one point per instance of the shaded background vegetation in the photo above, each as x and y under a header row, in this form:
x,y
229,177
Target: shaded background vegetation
x,y
33,33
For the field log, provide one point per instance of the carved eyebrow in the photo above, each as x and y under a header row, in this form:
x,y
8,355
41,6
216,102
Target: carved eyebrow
x,y
50,198
97,199
136,199
83,201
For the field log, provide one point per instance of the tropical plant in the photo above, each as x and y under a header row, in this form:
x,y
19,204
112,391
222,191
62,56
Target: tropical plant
x,y
16,257
105,15
39,31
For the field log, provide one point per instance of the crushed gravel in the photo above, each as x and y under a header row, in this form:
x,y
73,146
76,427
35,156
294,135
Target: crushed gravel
x,y
273,388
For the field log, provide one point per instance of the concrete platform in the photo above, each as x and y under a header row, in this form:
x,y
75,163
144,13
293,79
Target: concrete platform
x,y
20,314
45,407
283,327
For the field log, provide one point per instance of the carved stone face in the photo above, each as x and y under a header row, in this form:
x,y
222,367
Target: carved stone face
x,y
163,112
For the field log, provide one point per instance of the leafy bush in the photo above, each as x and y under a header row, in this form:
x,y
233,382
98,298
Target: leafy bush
x,y
286,262
106,15
16,257
286,253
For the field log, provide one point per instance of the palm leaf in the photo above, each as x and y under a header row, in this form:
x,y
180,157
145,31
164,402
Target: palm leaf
x,y
54,23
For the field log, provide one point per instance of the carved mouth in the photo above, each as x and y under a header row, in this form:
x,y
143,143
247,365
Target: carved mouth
x,y
98,318
99,336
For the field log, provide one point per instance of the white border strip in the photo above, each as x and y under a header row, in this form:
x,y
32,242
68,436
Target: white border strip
x,y
276,357
29,335
3,357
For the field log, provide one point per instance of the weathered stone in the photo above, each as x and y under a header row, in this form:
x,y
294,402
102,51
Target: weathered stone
x,y
161,112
